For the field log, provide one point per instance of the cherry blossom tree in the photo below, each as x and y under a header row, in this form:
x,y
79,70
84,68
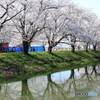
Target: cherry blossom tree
x,y
74,27
54,28
31,21
90,23
95,33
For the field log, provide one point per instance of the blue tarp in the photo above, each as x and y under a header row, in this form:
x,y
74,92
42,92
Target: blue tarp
x,y
20,49
4,48
36,49
31,49
10,49
0,47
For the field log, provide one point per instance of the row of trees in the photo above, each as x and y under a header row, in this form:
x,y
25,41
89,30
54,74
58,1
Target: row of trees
x,y
49,21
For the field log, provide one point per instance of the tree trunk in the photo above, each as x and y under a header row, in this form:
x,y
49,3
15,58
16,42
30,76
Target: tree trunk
x,y
73,48
86,47
49,77
50,50
25,47
94,47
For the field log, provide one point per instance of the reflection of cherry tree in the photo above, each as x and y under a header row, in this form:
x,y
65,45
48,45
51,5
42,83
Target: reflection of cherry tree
x,y
70,85
25,93
88,82
53,91
96,69
16,90
45,88
0,87
10,91
37,86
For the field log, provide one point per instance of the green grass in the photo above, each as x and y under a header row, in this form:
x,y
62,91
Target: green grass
x,y
45,59
1,75
37,63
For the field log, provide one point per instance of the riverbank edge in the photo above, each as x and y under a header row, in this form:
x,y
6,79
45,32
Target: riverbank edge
x,y
64,60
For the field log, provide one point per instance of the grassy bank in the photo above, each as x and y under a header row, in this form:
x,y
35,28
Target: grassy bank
x,y
17,64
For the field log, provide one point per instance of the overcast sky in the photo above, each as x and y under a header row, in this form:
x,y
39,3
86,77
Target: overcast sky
x,y
93,4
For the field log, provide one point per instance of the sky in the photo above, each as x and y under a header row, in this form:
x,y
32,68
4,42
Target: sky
x,y
93,4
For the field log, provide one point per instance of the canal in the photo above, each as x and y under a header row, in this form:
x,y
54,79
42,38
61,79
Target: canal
x,y
75,84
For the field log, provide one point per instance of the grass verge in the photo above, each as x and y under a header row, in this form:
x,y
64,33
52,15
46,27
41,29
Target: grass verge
x,y
14,65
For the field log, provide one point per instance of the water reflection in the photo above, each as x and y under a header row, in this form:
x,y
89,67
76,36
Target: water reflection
x,y
55,86
25,92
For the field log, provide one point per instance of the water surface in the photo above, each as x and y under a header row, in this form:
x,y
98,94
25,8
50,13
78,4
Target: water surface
x,y
56,86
